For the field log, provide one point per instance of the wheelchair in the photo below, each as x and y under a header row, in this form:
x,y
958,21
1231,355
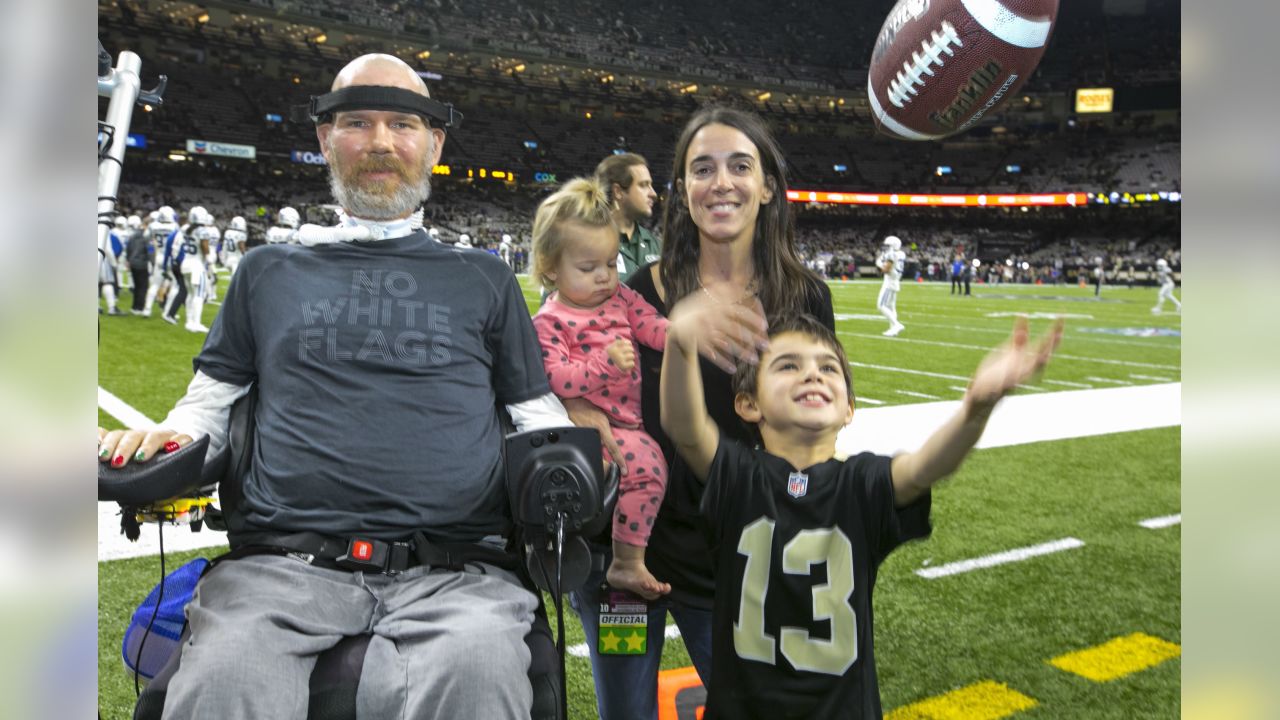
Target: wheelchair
x,y
561,496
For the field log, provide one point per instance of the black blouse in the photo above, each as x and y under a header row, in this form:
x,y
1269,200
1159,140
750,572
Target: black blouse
x,y
679,552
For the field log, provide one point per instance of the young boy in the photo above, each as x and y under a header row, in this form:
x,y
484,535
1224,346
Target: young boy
x,y
798,535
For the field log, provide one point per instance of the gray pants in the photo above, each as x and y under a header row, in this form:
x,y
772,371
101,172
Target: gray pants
x,y
445,644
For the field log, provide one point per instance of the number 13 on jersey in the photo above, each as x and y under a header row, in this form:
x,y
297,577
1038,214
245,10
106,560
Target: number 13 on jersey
x,y
829,601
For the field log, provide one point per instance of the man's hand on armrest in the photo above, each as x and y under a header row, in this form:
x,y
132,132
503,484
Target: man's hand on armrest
x,y
119,447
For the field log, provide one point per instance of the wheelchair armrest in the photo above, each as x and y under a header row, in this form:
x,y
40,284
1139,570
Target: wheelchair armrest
x,y
165,476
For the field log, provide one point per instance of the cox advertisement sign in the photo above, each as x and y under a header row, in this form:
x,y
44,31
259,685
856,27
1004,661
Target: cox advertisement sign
x,y
308,157
208,147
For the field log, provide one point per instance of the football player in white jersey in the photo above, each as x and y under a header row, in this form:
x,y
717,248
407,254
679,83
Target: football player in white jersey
x,y
504,249
1165,277
108,272
286,228
164,225
891,262
234,243
210,238
185,259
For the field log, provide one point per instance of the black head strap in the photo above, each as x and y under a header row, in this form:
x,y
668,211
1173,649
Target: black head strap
x,y
376,97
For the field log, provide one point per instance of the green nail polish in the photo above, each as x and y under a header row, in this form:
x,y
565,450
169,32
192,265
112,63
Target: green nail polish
x,y
104,452
139,455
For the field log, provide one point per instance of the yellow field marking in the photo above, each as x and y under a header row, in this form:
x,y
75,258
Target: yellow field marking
x,y
1117,658
987,700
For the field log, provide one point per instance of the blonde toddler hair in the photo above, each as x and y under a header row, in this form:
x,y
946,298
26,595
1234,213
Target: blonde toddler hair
x,y
580,200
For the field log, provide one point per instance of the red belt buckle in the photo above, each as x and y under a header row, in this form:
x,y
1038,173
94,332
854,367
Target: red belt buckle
x,y
364,554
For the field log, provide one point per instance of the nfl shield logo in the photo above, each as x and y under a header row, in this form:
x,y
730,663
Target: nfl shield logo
x,y
797,484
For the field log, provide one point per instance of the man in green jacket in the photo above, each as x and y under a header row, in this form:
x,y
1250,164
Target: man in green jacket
x,y
626,179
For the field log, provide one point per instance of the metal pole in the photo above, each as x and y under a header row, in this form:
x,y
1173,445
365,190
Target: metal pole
x,y
122,85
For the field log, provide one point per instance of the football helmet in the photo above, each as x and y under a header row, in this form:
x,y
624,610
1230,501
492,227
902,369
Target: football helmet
x,y
1162,263
238,223
464,240
288,217
167,215
135,222
894,242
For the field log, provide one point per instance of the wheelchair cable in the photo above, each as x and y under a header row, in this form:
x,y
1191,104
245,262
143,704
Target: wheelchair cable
x,y
564,682
137,661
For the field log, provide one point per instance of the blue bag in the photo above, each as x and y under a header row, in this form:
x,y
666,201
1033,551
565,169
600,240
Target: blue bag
x,y
166,630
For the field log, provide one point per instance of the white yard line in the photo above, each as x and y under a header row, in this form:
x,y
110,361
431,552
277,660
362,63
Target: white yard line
x,y
1107,381
985,349
1009,556
1067,383
1161,522
122,411
941,376
1075,333
910,393
1153,378
867,400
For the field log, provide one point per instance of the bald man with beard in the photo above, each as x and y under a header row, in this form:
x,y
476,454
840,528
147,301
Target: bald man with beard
x,y
379,356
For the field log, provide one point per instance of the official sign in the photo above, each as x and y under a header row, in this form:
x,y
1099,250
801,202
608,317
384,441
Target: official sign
x,y
307,157
209,147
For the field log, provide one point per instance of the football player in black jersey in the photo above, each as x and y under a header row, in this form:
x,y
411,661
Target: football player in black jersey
x,y
798,535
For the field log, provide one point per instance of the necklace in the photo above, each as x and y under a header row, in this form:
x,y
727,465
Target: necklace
x,y
751,290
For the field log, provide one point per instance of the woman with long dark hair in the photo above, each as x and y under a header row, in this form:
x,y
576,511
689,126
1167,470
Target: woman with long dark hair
x,y
728,249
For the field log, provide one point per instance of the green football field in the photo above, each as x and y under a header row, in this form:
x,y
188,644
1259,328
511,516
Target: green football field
x,y
1089,631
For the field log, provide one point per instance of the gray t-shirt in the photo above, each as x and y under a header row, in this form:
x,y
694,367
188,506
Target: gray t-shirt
x,y
379,366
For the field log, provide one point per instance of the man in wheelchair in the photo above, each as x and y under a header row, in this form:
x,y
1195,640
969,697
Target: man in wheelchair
x,y
374,500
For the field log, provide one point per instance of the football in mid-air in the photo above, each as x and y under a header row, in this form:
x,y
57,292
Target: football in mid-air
x,y
940,66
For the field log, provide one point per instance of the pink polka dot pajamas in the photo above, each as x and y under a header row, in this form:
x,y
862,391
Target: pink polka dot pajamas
x,y
575,354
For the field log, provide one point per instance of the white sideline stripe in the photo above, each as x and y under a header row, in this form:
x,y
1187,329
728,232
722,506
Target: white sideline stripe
x,y
122,411
984,348
1009,27
581,650
868,400
917,394
959,389
1150,377
1019,419
1008,556
1106,380
1161,522
1067,383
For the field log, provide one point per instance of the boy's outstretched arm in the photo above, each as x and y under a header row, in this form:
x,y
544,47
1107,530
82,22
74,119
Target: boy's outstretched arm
x,y
684,407
1008,366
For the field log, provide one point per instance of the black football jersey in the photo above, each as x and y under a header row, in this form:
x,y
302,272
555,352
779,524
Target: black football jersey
x,y
796,555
